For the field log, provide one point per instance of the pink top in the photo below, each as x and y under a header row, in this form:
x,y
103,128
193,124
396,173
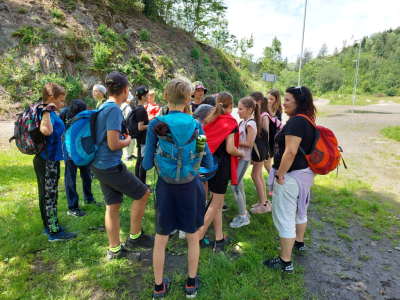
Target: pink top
x,y
243,137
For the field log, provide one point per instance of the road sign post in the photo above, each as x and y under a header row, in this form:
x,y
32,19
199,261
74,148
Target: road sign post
x,y
268,77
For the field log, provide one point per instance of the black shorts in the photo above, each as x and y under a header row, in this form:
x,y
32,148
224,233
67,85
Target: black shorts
x,y
218,185
118,181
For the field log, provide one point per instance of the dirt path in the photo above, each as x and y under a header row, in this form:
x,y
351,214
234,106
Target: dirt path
x,y
343,273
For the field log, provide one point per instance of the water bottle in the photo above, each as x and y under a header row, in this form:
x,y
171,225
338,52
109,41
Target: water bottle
x,y
200,143
31,126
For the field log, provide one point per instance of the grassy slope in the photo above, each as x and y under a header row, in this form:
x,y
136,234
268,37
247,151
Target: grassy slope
x,y
360,99
392,132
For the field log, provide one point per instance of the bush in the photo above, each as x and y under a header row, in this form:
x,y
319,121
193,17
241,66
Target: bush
x,y
101,55
165,60
73,86
144,35
145,57
196,53
22,10
366,86
31,35
56,13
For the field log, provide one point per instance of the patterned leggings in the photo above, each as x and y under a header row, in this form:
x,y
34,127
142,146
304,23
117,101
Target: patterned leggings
x,y
47,175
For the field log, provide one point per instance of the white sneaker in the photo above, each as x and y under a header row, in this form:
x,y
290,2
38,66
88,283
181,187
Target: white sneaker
x,y
239,222
182,234
173,232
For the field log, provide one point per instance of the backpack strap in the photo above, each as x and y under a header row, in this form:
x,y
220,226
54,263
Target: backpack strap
x,y
317,134
93,121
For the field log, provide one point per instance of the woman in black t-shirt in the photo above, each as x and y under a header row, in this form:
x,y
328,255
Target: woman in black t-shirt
x,y
290,177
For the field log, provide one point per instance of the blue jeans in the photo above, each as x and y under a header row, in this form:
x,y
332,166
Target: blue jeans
x,y
70,184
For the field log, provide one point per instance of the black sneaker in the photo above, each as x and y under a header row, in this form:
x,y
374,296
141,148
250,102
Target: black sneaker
x,y
76,212
191,292
160,295
219,246
122,253
205,243
143,240
62,236
225,207
278,264
297,247
98,204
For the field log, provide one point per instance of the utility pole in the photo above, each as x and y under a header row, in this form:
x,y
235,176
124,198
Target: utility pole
x,y
356,75
344,73
302,42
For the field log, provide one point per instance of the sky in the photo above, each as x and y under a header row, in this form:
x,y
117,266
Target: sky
x,y
329,21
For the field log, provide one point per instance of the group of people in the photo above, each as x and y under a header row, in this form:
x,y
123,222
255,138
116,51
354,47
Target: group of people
x,y
229,151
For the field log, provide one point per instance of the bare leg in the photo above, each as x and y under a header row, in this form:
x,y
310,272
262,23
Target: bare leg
x,y
112,224
286,248
205,187
264,187
258,182
137,212
267,164
216,203
193,253
159,257
218,223
300,230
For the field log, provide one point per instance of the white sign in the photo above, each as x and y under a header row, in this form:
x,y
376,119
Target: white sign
x,y
268,77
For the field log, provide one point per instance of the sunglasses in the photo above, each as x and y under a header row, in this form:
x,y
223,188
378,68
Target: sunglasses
x,y
296,88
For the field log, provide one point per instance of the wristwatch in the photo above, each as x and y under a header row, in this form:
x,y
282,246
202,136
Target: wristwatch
x,y
277,177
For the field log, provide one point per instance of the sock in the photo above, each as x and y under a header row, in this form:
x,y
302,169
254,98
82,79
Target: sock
x,y
159,287
299,244
285,262
190,282
243,217
135,236
115,249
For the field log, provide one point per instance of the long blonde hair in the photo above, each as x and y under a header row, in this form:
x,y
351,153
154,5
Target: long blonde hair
x,y
278,103
223,101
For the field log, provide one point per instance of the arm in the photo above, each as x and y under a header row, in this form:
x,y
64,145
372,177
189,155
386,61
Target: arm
x,y
248,143
230,147
45,125
142,127
265,124
113,141
292,146
151,146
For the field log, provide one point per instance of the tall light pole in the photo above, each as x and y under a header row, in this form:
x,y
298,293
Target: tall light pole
x,y
356,75
344,73
302,42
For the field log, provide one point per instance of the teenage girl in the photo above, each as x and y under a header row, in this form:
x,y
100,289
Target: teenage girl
x,y
222,134
248,129
271,107
263,206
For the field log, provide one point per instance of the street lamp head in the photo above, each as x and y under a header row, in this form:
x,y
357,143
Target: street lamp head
x,y
343,69
355,60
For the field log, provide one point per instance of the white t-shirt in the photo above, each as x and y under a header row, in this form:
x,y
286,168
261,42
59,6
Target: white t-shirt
x,y
243,137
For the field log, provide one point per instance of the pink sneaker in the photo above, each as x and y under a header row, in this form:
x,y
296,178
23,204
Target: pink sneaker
x,y
257,204
271,193
261,209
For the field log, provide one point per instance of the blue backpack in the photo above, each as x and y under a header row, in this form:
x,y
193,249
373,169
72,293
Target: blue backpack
x,y
176,160
80,136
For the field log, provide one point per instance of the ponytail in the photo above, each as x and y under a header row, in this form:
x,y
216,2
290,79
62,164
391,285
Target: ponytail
x,y
223,101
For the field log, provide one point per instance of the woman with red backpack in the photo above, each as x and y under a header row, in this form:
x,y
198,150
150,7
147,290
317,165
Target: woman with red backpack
x,y
290,177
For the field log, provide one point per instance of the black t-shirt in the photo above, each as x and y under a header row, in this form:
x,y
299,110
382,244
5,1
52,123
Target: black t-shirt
x,y
195,106
278,115
141,116
300,127
224,160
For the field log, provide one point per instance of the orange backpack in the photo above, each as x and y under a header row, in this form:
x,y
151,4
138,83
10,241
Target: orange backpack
x,y
325,154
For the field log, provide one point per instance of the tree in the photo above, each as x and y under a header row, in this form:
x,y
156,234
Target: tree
x,y
271,61
336,51
328,79
307,56
344,45
323,52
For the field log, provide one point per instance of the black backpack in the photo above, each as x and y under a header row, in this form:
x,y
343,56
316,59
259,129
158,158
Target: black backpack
x,y
261,147
131,123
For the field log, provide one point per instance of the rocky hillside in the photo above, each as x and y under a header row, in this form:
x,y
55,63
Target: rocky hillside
x,y
76,43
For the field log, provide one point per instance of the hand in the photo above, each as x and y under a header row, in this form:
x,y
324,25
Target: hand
x,y
241,156
252,162
49,108
279,181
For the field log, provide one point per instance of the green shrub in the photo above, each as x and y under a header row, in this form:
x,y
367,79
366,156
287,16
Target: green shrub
x,y
126,5
144,35
110,37
70,3
165,60
22,10
196,53
73,86
56,13
101,55
145,57
206,61
31,35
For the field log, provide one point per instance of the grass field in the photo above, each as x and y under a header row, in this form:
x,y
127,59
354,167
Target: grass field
x,y
32,268
392,132
360,99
